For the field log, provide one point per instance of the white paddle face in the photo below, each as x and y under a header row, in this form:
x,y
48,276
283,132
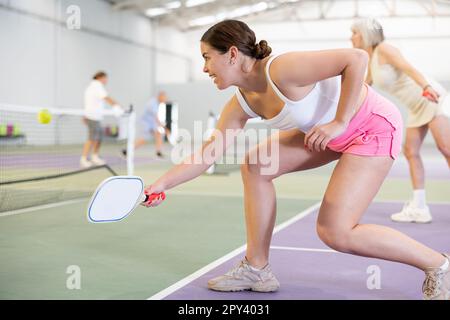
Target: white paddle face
x,y
115,198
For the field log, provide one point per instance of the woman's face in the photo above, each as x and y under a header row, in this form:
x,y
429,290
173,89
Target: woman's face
x,y
356,39
217,66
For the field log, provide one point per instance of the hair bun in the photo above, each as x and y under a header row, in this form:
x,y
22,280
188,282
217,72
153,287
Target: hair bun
x,y
262,50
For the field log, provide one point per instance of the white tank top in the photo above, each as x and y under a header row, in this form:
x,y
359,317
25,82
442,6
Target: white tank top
x,y
318,107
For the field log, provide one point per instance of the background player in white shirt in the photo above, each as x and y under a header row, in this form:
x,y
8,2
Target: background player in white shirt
x,y
95,96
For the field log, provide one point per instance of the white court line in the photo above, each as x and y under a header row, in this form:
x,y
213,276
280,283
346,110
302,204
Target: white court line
x,y
45,206
182,193
303,249
169,290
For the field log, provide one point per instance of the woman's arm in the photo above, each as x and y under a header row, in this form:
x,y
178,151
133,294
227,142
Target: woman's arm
x,y
304,68
394,57
232,120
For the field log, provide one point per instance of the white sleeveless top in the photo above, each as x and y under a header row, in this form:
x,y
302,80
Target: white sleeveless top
x,y
318,107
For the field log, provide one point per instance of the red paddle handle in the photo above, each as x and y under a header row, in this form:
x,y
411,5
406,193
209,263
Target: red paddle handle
x,y
153,196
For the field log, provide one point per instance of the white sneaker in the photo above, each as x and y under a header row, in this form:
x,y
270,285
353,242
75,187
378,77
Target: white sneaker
x,y
244,277
85,163
437,283
97,161
411,213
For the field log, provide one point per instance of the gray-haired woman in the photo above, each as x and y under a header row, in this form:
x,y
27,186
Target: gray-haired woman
x,y
424,98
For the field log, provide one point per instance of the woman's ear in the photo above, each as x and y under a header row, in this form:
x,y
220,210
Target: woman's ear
x,y
233,54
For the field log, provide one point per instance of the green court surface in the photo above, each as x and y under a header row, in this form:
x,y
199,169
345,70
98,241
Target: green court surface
x,y
132,259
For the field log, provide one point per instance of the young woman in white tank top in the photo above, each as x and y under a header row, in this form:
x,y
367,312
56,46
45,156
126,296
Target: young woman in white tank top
x,y
326,113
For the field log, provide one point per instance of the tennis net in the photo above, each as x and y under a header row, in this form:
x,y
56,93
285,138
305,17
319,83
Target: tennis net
x,y
40,163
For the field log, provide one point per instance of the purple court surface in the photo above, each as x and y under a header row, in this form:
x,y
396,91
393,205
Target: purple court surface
x,y
59,161
307,269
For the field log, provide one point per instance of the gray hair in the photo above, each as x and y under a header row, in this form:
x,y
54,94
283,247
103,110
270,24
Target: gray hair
x,y
371,31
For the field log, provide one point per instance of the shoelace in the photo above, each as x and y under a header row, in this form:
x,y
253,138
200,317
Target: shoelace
x,y
410,211
237,270
267,274
432,283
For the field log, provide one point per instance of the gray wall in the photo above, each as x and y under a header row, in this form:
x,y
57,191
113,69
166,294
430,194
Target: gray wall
x,y
195,100
43,63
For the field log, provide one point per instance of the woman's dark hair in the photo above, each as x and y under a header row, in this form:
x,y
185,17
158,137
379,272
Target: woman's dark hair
x,y
227,33
99,75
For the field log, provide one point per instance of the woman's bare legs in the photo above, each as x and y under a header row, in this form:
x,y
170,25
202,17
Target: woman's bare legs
x,y
411,150
259,191
353,185
440,128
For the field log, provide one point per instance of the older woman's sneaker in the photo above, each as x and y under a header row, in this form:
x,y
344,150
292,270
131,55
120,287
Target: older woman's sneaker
x,y
437,283
244,277
410,213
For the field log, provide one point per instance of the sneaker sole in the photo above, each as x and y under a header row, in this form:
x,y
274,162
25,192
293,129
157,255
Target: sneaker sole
x,y
234,289
229,289
269,289
421,222
237,289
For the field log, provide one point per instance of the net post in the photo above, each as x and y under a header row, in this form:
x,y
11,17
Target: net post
x,y
130,141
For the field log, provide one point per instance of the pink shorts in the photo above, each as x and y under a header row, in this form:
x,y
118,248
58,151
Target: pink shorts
x,y
375,130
